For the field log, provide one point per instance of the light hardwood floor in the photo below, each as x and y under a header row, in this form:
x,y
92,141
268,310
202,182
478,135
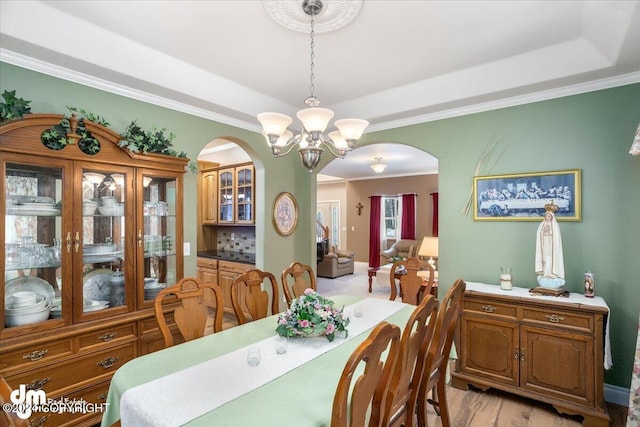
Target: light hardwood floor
x,y
494,408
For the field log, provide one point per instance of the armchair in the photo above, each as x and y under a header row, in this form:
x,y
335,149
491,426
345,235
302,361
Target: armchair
x,y
336,263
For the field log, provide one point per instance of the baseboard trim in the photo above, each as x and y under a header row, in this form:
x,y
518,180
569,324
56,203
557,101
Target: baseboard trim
x,y
616,394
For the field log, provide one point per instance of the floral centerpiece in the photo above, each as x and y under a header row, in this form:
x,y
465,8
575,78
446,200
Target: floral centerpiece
x,y
310,315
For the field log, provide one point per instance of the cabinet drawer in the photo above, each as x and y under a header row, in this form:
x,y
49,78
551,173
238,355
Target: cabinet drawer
x,y
559,319
103,336
95,396
34,355
493,308
151,324
207,263
234,267
73,372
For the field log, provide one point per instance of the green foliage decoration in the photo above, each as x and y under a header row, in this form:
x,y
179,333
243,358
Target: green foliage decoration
x,y
138,140
13,107
90,116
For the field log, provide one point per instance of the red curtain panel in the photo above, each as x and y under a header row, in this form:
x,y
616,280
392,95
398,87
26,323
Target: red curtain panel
x,y
434,226
374,231
408,230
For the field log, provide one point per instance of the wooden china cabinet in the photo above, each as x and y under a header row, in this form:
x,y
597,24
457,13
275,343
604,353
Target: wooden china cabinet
x,y
85,225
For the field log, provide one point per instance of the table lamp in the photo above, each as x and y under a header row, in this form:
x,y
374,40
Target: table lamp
x,y
429,248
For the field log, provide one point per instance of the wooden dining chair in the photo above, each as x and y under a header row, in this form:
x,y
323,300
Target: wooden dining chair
x,y
247,294
9,419
435,368
412,287
198,302
295,279
370,388
400,406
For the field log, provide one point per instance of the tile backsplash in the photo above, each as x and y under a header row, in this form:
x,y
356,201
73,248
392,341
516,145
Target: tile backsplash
x,y
244,239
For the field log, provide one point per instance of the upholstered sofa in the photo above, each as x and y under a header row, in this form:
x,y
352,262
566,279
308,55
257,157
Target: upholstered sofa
x,y
336,263
404,248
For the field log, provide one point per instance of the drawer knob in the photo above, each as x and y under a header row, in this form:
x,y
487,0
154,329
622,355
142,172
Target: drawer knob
x,y
554,318
108,336
38,384
108,362
35,355
489,308
102,397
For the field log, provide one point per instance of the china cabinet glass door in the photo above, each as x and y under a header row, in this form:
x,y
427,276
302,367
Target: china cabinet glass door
x,y
103,207
225,195
36,255
244,194
158,234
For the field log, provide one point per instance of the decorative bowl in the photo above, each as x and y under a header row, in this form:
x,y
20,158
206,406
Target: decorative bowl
x,y
28,318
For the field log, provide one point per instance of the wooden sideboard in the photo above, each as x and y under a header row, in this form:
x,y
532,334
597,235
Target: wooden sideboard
x,y
551,350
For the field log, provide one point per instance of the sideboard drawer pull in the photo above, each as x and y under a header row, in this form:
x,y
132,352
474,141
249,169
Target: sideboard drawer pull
x,y
489,308
108,336
554,318
102,397
38,384
35,355
108,362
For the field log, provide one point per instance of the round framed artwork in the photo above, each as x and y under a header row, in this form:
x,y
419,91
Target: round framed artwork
x,y
285,213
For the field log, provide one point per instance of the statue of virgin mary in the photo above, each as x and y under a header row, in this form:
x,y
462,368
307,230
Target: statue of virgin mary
x,y
549,263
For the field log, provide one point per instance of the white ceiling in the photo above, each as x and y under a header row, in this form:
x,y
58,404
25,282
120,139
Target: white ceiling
x,y
397,63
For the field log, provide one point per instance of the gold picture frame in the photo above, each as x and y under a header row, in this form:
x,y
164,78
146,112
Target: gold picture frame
x,y
521,197
285,213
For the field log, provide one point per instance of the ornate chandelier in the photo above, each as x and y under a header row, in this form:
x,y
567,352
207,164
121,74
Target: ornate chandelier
x,y
311,139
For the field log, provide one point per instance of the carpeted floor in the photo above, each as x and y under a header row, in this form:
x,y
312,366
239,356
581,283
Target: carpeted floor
x,y
353,284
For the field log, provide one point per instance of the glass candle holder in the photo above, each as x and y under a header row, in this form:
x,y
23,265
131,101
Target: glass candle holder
x,y
505,279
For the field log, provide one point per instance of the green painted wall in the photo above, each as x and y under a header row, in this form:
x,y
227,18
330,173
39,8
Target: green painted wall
x,y
592,132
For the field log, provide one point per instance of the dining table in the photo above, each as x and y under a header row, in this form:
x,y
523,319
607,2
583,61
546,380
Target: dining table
x,y
209,382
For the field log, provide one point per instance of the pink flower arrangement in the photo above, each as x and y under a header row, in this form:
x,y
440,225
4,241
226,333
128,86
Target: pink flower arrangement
x,y
312,315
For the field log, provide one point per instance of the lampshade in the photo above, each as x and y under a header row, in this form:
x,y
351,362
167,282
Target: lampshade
x,y
378,167
635,146
351,129
315,119
94,177
274,123
338,140
118,179
428,247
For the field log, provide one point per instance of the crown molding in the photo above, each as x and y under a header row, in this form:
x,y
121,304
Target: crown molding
x,y
30,63
576,89
107,86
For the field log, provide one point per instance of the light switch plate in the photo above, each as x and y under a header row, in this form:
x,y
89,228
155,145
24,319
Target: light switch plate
x,y
186,249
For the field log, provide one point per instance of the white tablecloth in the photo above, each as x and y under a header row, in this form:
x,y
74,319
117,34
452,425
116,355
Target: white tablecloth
x,y
185,395
572,299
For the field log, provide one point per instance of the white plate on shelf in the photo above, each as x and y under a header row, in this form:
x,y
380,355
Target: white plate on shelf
x,y
28,283
96,283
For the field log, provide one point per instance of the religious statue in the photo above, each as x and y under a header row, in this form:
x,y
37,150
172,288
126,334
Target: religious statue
x,y
549,263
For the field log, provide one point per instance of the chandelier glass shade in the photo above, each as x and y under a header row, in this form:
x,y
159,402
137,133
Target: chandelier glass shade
x,y
311,140
378,166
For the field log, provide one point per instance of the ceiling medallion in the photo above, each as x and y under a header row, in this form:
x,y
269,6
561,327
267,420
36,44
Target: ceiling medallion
x,y
335,14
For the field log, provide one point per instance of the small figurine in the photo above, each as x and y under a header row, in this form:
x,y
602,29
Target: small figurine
x,y
549,262
589,284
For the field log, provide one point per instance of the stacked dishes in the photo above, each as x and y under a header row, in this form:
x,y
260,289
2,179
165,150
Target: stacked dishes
x,y
26,307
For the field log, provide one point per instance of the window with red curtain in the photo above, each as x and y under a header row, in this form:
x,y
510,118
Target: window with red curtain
x,y
408,219
374,231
